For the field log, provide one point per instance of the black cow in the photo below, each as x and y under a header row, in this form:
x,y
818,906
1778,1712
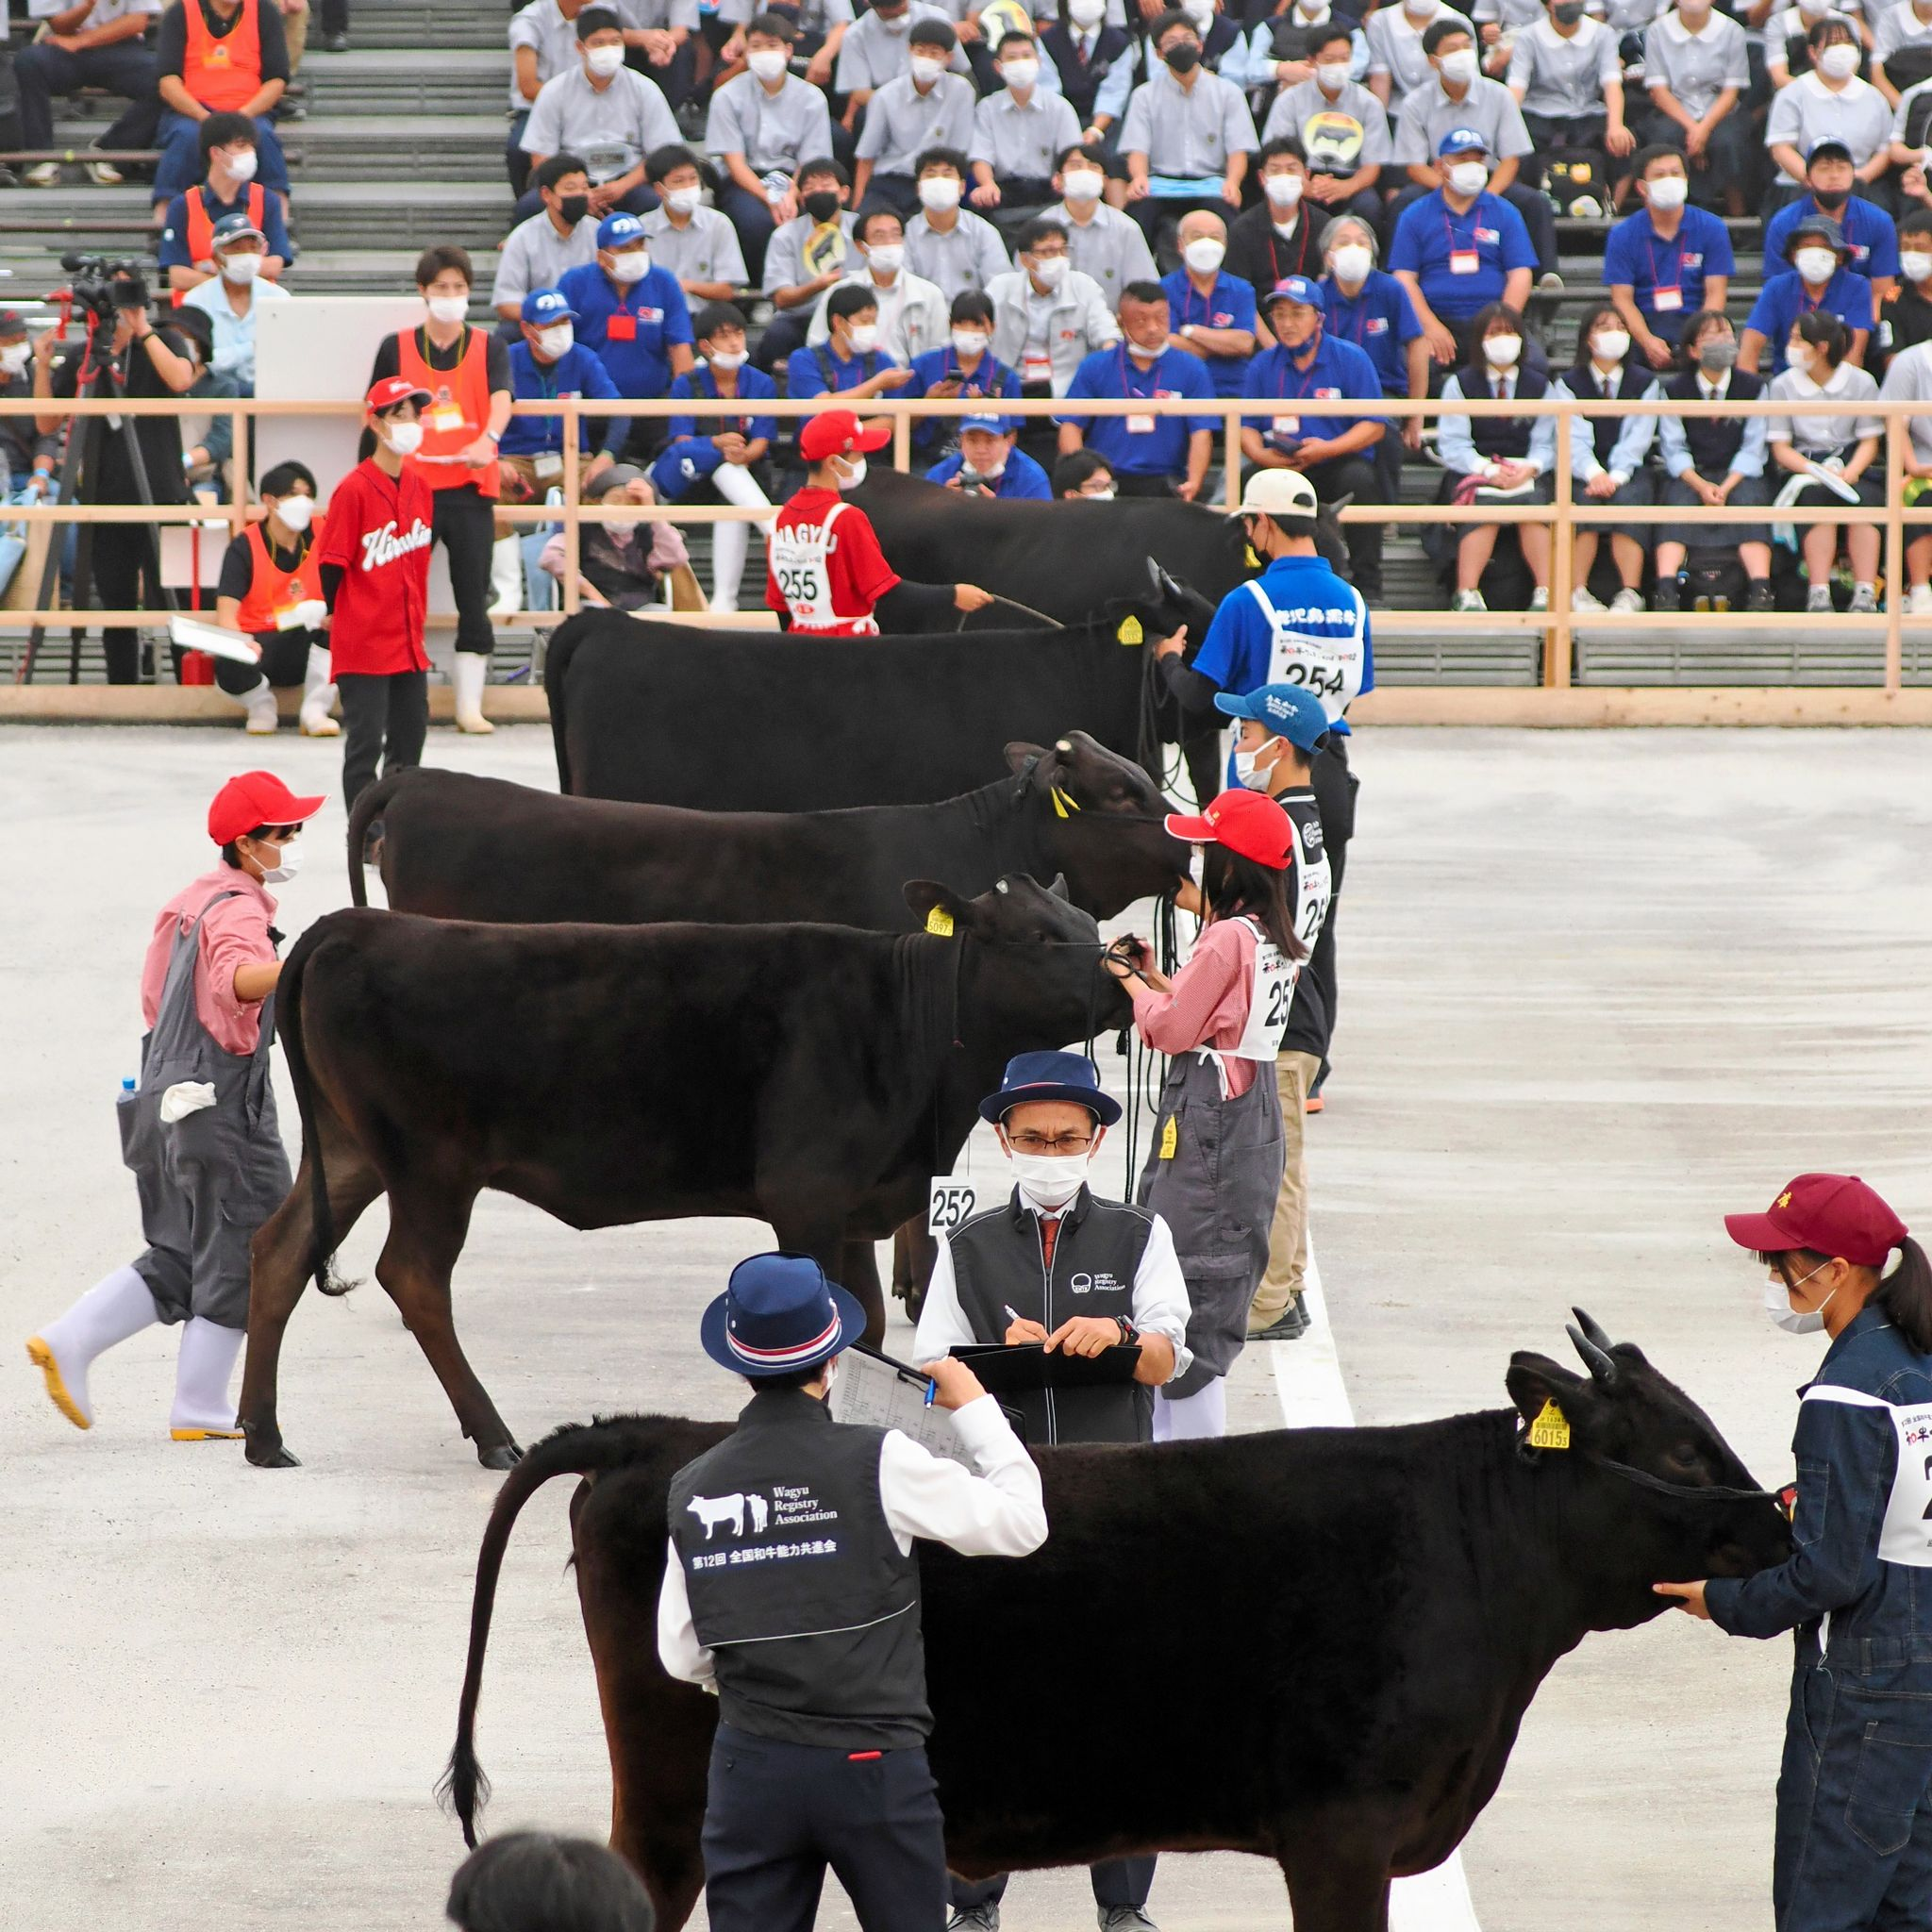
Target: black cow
x,y
811,1076
1397,1594
461,847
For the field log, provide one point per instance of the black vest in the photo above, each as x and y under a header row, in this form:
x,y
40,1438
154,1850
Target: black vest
x,y
1307,1016
1713,441
797,1584
1632,383
1082,84
1502,439
996,1262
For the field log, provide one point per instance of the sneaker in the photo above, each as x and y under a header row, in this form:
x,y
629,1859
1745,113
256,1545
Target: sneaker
x,y
46,174
1818,599
1540,599
335,43
1668,595
1291,1326
1313,1103
1864,601
1760,596
1468,600
105,175
1627,600
1126,1918
1919,601
1583,598
975,1919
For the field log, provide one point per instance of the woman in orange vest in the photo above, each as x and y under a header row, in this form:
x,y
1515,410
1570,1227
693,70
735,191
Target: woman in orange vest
x,y
272,589
465,372
214,57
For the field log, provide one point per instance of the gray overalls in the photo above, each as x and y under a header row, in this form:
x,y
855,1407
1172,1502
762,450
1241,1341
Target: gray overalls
x,y
209,1179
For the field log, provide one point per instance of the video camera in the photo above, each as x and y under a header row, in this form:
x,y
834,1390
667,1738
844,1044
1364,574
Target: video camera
x,y
102,285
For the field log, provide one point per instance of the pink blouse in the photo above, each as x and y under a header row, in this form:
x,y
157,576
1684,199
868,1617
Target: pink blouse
x,y
1208,1005
235,933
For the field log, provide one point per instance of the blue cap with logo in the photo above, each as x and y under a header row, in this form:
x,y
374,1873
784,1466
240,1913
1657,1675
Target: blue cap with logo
x,y
778,1314
1463,140
542,307
619,231
998,425
1289,711
1295,288
231,227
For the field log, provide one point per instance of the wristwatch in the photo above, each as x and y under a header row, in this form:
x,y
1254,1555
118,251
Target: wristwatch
x,y
1129,1334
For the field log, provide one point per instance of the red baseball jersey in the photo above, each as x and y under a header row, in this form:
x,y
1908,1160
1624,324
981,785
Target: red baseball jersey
x,y
825,568
378,533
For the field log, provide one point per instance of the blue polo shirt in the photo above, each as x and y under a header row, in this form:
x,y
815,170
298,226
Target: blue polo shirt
x,y
1870,237
633,328
990,380
1381,322
821,371
1159,451
576,372
1431,239
1339,369
1637,258
1022,479
753,386
1229,305
175,228
1237,652
1784,298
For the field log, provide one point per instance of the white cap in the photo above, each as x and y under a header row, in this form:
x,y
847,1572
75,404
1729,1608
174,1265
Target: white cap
x,y
1280,493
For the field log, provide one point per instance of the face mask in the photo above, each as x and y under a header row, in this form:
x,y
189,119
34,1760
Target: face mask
x,y
447,309
1352,263
1693,9
620,533
887,256
571,209
14,358
1087,13
1503,350
1798,355
894,22
681,201
821,205
242,165
1021,73
1084,184
554,343
940,191
1469,178
1332,77
1459,66
1817,265
1668,191
1567,13
727,360
1183,57
633,265
925,70
604,61
1419,10
296,512
1917,267
288,863
1283,191
1142,352
1715,354
991,474
1831,199
240,269
405,439
969,341
1099,495
1204,255
854,476
1778,1305
1050,1180
865,338
768,63
1247,773
1610,346
1051,270
1839,61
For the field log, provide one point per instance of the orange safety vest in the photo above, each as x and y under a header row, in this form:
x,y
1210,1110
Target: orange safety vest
x,y
457,414
224,73
201,227
273,592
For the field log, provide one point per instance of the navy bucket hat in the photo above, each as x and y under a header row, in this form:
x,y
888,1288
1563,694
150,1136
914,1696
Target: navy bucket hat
x,y
1051,1077
778,1314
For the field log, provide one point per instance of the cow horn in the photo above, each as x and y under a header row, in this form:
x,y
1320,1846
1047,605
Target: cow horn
x,y
1591,1331
1602,1367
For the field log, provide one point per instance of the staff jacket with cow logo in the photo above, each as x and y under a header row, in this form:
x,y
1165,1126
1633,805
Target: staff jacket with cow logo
x,y
377,537
791,1588
1097,1257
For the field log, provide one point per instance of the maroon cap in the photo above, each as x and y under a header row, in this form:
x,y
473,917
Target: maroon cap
x,y
258,798
1834,1214
393,390
840,433
1247,823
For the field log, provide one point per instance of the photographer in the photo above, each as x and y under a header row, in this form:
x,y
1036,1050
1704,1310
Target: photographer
x,y
121,355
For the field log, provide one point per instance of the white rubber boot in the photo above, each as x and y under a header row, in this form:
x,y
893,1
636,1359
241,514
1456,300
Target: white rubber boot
x,y
729,542
111,1311
319,696
204,1411
471,671
258,701
507,573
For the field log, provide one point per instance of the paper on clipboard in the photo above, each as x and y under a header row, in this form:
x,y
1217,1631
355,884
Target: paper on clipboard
x,y
885,1395
192,635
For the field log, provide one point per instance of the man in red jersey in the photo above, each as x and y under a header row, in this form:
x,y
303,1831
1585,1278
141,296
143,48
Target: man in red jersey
x,y
375,566
825,575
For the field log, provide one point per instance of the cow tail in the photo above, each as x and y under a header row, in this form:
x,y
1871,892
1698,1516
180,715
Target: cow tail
x,y
369,804
289,1026
577,1449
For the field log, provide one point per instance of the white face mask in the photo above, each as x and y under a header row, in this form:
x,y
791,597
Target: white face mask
x,y
447,309
405,439
295,513
1798,355
1352,262
603,62
1084,184
553,342
1503,350
288,863
681,201
1915,264
633,265
243,166
768,63
1668,191
1021,73
854,475
969,341
1610,346
865,338
1419,10
1086,14
727,360
887,256
939,193
1459,66
1049,1180
1778,1305
1247,773
1816,265
1839,61
897,24
991,474
15,358
1283,191
1050,271
1205,255
1469,178
1332,77
1100,495
925,70
240,269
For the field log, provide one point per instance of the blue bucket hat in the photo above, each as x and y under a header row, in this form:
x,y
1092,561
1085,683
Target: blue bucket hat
x,y
1051,1077
779,1315
1289,711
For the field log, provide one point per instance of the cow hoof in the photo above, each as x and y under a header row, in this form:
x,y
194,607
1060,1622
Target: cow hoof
x,y
273,1457
503,1455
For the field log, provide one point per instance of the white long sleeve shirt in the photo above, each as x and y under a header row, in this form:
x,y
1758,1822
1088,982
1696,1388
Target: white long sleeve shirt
x,y
994,1513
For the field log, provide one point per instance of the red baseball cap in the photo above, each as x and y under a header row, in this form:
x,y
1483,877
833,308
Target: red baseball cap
x,y
391,390
1834,1214
1249,823
258,798
840,433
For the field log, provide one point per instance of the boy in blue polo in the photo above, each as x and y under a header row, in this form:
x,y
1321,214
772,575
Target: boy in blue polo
x,y
987,465
547,364
1818,277
633,315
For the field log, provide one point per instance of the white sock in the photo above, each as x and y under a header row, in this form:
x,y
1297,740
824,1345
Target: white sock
x,y
1192,1416
111,1311
201,1376
729,542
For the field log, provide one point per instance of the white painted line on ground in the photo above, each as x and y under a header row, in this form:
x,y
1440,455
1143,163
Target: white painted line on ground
x,y
1307,1381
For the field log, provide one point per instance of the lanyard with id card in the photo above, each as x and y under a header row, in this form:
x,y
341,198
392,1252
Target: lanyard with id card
x,y
1465,258
1137,424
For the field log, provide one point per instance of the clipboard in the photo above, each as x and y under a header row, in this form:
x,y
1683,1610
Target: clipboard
x,y
1010,1369
871,1387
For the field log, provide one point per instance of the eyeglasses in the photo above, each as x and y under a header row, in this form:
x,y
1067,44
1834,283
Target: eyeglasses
x,y
1050,1144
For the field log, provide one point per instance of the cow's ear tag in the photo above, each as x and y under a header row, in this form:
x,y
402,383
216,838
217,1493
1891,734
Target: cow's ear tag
x,y
939,922
1551,1429
1254,561
1170,1137
1063,803
1130,631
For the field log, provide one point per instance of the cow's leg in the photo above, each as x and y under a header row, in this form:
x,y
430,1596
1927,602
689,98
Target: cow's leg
x,y
860,1277
427,1229
825,1242
280,1258
914,1251
1336,1886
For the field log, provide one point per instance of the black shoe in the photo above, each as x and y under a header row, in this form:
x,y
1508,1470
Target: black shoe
x,y
335,43
1760,597
1667,594
1291,1327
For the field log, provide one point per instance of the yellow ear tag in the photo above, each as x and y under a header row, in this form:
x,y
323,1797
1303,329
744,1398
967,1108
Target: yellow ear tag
x,y
1130,631
1063,803
939,922
1551,1429
1254,561
1170,1137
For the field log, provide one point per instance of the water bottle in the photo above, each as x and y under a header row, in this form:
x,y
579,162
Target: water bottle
x,y
127,1090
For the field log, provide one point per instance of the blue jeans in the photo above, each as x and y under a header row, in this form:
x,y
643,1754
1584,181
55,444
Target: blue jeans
x,y
1855,1798
180,166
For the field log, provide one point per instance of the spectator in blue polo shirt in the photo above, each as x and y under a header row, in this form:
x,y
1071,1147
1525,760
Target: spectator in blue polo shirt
x,y
1817,279
849,362
633,314
1335,453
549,363
1870,237
1461,249
987,465
1213,311
1368,306
964,369
1669,260
1146,453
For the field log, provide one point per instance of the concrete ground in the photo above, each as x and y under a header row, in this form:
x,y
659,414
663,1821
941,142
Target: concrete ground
x,y
1599,988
